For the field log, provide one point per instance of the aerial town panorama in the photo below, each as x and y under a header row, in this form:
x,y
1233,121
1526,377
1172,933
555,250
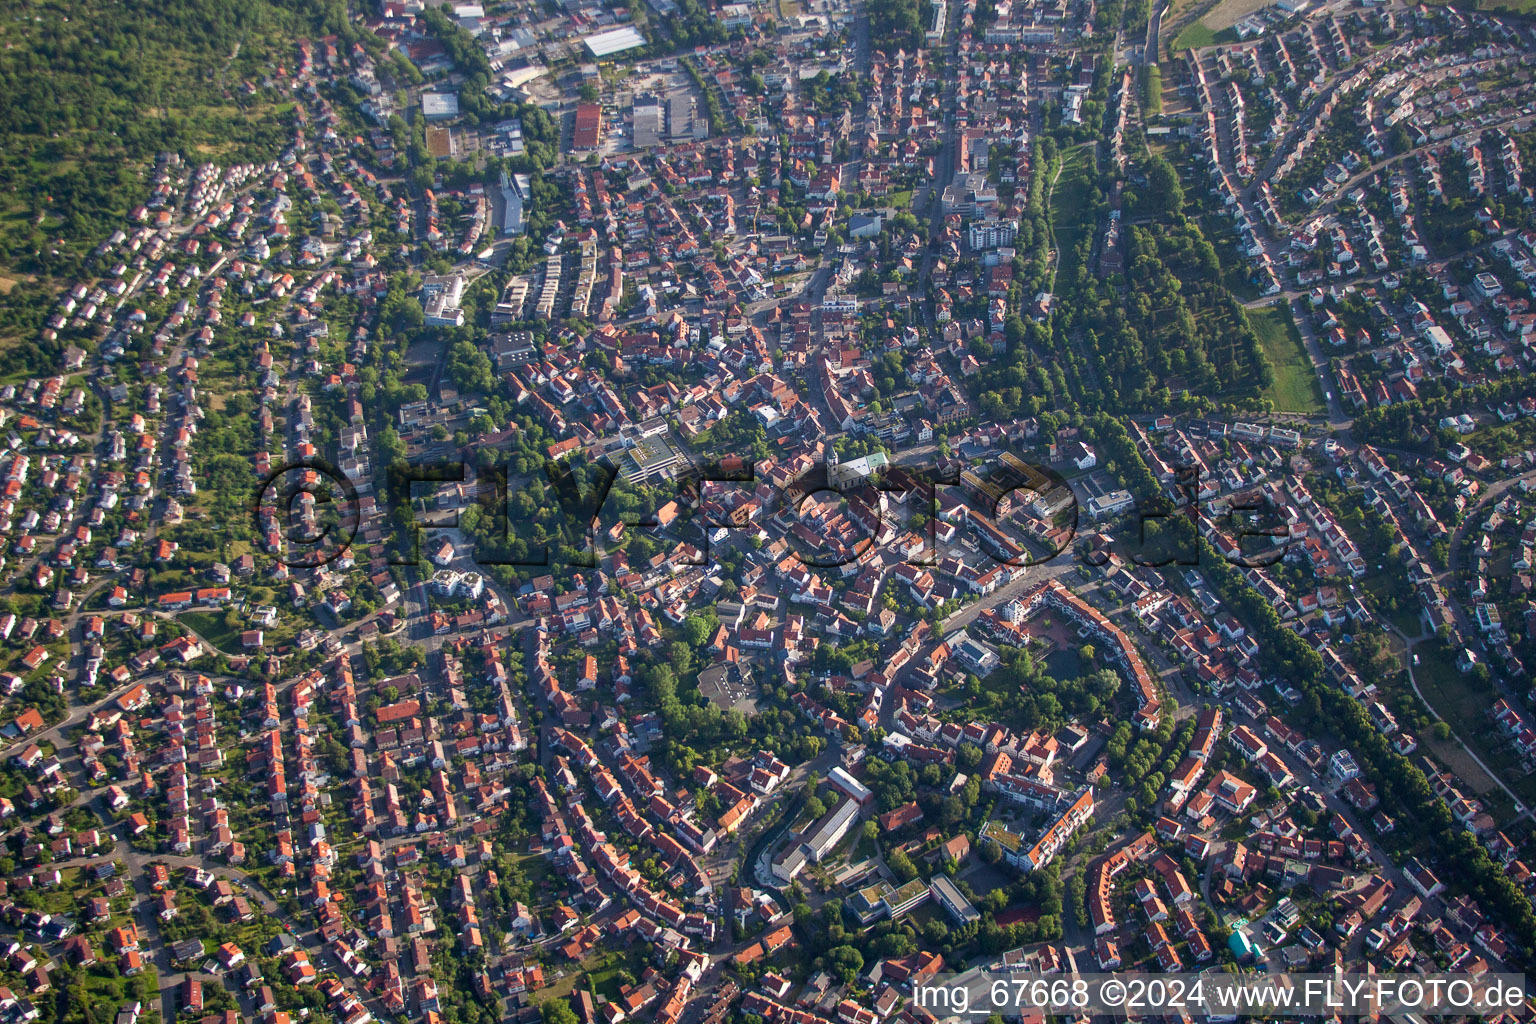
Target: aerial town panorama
x,y
703,512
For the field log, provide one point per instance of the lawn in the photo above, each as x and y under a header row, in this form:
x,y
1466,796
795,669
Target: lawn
x,y
1295,388
1463,702
604,978
1198,35
1382,586
1068,197
535,867
210,626
1153,89
564,984
105,987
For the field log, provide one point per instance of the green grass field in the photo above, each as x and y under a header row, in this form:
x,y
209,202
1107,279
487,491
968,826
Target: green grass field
x,y
1153,90
210,626
1295,388
1198,36
1463,703
1067,201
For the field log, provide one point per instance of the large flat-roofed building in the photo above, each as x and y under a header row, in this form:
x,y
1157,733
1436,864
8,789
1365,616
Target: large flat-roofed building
x,y
1070,814
441,295
649,116
682,125
589,126
650,458
869,904
668,118
831,829
1110,503
516,189
902,901
849,786
790,862
976,656
992,233
953,900
810,846
614,40
439,106
969,195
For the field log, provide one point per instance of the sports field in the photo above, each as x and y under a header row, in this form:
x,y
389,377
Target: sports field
x,y
1296,388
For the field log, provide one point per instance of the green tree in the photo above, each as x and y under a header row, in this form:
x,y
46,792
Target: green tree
x,y
700,628
1165,193
846,962
558,1011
